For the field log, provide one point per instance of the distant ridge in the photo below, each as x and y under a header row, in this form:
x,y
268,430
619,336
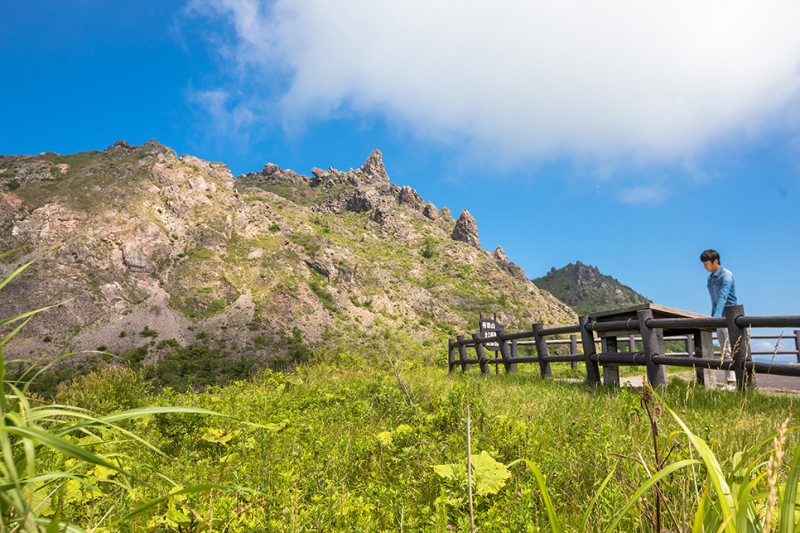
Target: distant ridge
x,y
586,290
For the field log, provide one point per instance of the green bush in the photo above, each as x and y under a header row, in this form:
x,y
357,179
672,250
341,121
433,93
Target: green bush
x,y
106,390
147,332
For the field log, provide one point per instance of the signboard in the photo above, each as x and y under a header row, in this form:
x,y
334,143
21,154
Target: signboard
x,y
489,328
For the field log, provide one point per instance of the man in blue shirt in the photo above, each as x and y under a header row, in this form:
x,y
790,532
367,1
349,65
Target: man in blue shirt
x,y
722,289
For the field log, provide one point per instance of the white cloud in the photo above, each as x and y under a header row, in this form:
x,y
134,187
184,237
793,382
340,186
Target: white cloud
x,y
527,78
229,118
644,194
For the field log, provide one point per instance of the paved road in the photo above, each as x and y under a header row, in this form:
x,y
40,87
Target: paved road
x,y
787,383
763,381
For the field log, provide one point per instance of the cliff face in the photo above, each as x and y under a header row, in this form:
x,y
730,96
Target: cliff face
x,y
586,290
145,249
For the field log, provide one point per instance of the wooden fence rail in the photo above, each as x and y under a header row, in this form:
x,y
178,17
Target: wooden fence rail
x,y
645,342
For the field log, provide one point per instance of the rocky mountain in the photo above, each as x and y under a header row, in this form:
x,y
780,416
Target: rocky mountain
x,y
586,290
150,253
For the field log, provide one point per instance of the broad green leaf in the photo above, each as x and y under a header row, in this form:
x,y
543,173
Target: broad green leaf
x,y
490,475
217,436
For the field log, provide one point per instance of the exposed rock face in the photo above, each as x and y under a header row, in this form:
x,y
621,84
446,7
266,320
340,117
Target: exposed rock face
x,y
430,211
408,196
362,201
466,230
272,174
502,260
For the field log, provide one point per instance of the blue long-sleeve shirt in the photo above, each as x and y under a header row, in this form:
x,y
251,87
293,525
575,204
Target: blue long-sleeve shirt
x,y
722,289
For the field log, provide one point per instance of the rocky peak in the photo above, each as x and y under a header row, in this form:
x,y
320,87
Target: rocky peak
x,y
120,147
587,290
408,196
500,256
466,230
272,174
373,171
502,261
430,211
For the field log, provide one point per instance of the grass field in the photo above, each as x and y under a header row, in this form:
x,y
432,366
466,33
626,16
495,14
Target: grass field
x,y
356,444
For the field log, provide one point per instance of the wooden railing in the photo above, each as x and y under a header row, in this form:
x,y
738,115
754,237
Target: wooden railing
x,y
649,336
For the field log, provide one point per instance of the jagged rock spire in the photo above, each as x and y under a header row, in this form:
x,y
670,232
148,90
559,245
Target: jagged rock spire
x,y
466,230
373,170
515,270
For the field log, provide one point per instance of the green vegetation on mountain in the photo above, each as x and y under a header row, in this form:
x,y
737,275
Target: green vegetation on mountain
x,y
586,290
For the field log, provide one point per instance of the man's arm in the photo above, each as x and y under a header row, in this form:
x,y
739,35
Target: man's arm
x,y
724,289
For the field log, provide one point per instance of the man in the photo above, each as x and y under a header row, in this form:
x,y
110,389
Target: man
x,y
722,289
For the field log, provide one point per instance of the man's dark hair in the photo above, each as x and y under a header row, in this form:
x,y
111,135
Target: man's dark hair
x,y
709,255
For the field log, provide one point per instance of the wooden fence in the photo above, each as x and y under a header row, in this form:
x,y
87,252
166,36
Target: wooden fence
x,y
645,332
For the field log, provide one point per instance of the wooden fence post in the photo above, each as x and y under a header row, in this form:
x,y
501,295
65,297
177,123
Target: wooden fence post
x,y
541,351
797,343
481,351
740,347
462,352
573,349
704,348
587,339
631,342
505,352
653,341
610,371
451,355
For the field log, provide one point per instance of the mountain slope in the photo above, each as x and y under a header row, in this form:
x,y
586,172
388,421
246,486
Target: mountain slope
x,y
586,290
150,251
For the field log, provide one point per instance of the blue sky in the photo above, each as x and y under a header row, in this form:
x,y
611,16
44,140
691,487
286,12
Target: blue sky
x,y
627,135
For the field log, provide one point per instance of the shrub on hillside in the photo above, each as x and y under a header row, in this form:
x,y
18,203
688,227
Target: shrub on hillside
x,y
109,389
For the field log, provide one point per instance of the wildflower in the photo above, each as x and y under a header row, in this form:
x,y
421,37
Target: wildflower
x,y
519,494
574,421
449,527
597,428
424,441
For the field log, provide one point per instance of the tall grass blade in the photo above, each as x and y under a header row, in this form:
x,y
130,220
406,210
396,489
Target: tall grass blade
x,y
555,525
661,474
787,522
13,332
715,474
56,443
703,516
14,274
596,497
746,517
141,509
